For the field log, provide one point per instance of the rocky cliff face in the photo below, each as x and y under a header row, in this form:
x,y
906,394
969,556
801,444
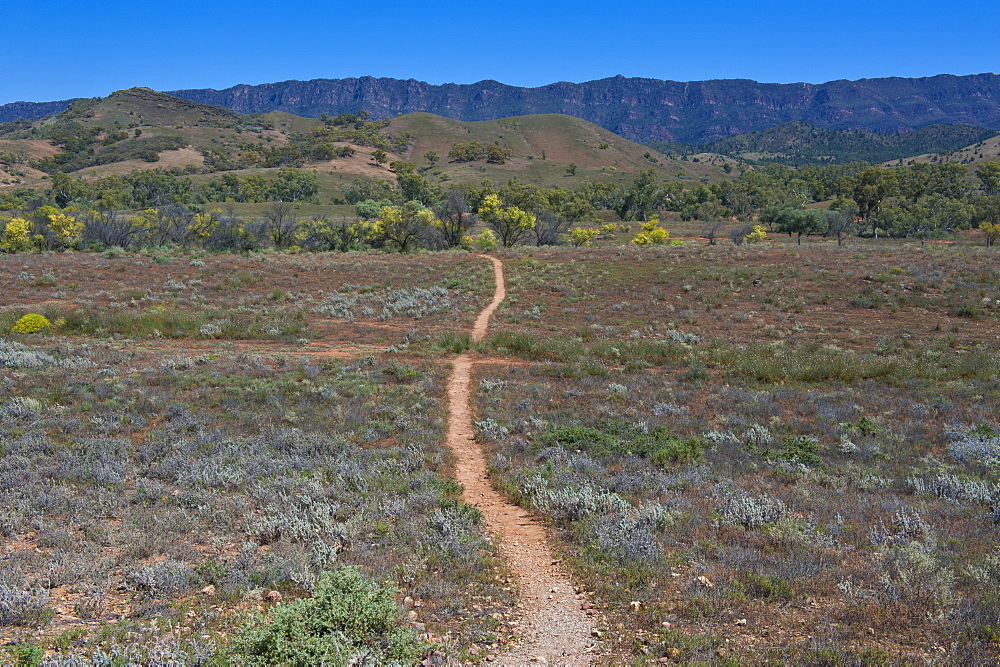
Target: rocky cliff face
x,y
30,110
647,109
643,109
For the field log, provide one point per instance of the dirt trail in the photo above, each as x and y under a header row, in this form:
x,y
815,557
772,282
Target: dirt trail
x,y
555,630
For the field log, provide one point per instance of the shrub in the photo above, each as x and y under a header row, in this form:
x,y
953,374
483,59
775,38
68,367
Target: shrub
x,y
674,449
486,241
801,449
349,619
752,512
24,608
581,237
31,323
915,576
16,236
591,440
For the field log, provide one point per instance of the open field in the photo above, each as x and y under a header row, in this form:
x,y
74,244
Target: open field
x,y
762,453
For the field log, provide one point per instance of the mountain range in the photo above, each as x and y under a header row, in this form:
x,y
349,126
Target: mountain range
x,y
643,110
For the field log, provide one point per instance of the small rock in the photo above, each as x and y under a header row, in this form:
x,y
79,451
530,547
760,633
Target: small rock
x,y
419,627
667,624
672,653
705,582
411,616
272,596
587,605
741,621
540,658
490,658
596,633
635,604
208,590
408,602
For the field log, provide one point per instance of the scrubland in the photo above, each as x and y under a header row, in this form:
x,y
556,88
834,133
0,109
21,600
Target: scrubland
x,y
753,454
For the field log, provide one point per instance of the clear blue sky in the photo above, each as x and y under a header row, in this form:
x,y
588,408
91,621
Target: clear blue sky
x,y
56,50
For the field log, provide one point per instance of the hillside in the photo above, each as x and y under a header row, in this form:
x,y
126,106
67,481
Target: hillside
x,y
982,151
138,129
799,143
543,146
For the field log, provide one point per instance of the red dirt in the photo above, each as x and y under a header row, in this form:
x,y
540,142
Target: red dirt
x,y
556,630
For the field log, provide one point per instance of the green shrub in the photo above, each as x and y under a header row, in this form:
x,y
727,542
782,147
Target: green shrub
x,y
591,440
349,618
673,449
800,449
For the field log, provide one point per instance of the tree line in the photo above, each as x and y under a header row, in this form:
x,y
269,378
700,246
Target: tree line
x,y
157,207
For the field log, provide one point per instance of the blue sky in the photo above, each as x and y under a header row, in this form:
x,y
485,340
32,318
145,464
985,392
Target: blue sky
x,y
56,50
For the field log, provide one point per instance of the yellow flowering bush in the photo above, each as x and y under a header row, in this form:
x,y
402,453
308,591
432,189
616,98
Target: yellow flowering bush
x,y
580,236
16,236
758,234
67,231
31,323
653,234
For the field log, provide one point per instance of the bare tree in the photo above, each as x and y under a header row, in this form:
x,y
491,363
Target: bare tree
x,y
282,224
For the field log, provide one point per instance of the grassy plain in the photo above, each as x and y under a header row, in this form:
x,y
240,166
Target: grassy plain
x,y
762,453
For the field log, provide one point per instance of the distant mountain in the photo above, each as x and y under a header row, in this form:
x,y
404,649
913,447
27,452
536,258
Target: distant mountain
x,y
646,109
800,143
30,110
643,110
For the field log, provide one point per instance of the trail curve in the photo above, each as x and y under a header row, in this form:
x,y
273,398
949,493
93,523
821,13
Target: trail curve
x,y
555,630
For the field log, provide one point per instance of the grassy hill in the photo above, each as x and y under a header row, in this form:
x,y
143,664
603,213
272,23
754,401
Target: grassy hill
x,y
982,151
799,143
140,128
543,147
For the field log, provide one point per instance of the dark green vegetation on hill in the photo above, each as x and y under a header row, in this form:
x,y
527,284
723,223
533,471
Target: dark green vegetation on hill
x,y
798,143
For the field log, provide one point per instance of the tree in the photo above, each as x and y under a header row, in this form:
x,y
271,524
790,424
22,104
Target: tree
x,y
282,224
549,225
989,175
413,186
712,229
295,185
873,186
509,223
432,158
379,157
840,219
66,190
401,227
991,231
369,209
454,218
152,188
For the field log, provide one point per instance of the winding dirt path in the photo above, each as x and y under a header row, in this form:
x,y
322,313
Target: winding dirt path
x,y
555,629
